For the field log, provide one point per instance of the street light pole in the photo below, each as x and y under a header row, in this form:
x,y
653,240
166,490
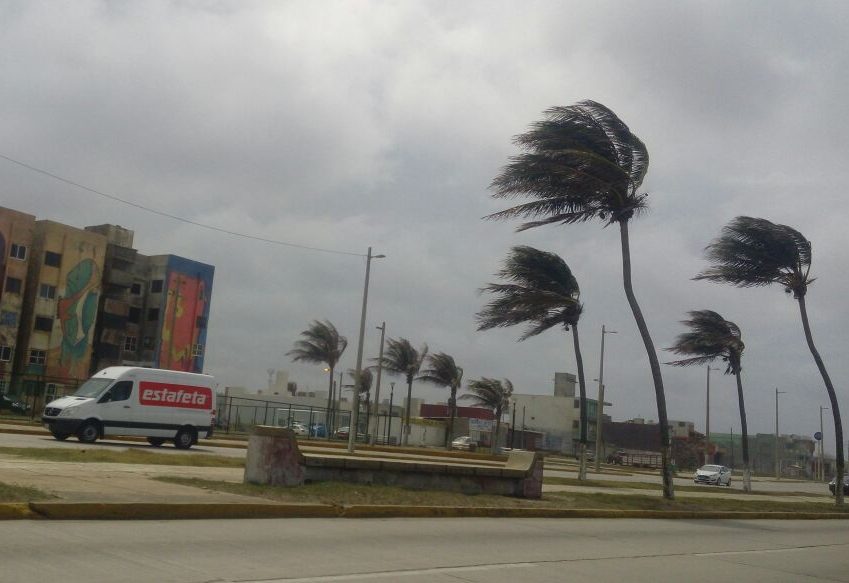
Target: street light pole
x,y
732,447
352,429
707,418
822,446
391,399
513,427
777,462
600,405
376,407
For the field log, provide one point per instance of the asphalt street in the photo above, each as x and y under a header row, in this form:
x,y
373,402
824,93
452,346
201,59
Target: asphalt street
x,y
420,550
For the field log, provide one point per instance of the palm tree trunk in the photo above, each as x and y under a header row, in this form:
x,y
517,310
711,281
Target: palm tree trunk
x,y
328,416
582,386
832,396
405,439
747,473
452,413
494,448
660,395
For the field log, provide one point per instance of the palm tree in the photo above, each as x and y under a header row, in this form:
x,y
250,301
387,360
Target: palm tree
x,y
710,337
321,343
401,358
494,395
443,371
541,292
753,252
366,380
580,163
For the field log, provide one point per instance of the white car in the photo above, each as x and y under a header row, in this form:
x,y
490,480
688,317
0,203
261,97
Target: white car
x,y
713,475
465,443
299,428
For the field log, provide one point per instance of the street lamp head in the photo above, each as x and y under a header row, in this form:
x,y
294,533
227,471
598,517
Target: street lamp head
x,y
378,256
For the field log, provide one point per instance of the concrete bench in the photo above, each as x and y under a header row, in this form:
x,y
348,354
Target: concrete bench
x,y
274,458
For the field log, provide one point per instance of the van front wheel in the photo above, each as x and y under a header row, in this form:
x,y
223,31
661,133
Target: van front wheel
x,y
185,438
88,432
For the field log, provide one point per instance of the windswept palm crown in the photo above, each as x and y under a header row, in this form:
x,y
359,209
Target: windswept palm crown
x,y
443,371
543,292
401,358
581,162
366,379
320,343
754,252
710,337
490,393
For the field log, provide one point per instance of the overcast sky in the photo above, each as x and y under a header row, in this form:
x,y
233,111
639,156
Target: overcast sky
x,y
343,125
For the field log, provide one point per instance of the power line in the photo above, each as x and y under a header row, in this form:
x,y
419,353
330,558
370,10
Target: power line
x,y
174,217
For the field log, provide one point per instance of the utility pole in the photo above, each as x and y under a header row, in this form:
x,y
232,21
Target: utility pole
x,y
708,457
732,447
391,399
600,405
777,460
822,446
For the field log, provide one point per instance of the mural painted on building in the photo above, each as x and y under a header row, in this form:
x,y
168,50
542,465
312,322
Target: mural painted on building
x,y
183,338
77,312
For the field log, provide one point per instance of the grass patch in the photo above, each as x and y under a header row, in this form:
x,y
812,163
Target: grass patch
x,y
130,456
649,486
15,493
341,493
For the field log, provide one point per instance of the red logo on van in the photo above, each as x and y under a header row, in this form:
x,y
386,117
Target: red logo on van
x,y
168,395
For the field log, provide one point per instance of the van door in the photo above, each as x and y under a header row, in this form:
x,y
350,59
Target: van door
x,y
116,410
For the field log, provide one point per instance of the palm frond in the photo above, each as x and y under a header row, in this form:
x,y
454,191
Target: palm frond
x,y
442,370
710,337
401,358
319,343
489,393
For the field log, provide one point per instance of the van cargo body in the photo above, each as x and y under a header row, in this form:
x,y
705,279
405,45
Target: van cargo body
x,y
162,405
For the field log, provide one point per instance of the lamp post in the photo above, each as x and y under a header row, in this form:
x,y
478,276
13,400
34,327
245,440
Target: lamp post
x,y
391,398
513,427
352,431
732,447
777,461
707,417
822,446
600,405
376,408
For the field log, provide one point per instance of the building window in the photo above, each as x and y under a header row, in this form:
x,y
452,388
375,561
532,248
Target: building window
x,y
130,343
147,342
197,350
47,291
18,252
5,353
200,322
14,285
577,403
156,286
152,314
37,356
3,386
135,289
8,318
52,259
43,324
134,315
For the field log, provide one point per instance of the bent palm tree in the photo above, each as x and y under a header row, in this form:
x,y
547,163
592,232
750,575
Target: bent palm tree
x,y
443,371
754,252
401,358
492,394
581,162
710,337
543,293
366,380
321,343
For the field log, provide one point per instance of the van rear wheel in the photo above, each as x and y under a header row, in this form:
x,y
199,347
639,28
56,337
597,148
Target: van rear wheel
x,y
155,441
88,432
186,437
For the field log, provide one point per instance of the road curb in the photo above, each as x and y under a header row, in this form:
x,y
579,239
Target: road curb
x,y
180,511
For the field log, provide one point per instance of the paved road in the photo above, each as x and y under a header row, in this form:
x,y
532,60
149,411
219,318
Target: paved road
x,y
425,550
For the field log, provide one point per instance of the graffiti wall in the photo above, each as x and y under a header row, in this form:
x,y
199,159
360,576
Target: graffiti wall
x,y
188,289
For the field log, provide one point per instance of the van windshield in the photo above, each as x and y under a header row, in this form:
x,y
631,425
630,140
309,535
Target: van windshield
x,y
93,387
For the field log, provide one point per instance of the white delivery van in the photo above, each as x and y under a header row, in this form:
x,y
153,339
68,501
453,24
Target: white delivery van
x,y
162,405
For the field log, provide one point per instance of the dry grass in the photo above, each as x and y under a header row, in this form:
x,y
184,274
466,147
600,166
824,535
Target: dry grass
x,y
15,493
131,456
622,485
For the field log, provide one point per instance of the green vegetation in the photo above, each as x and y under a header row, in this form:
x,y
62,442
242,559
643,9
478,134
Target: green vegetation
x,y
15,493
132,456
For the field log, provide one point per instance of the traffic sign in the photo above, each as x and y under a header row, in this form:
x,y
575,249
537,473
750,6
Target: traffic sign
x,y
818,435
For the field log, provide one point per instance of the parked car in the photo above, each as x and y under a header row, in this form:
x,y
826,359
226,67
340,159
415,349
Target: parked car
x,y
713,474
12,405
318,430
299,428
464,443
342,432
833,483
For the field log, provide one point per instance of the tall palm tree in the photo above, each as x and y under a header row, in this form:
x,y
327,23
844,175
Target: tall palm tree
x,y
581,162
492,394
542,292
321,343
401,358
711,337
366,381
753,252
443,371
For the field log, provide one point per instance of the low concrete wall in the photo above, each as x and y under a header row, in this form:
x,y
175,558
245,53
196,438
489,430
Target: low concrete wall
x,y
274,458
